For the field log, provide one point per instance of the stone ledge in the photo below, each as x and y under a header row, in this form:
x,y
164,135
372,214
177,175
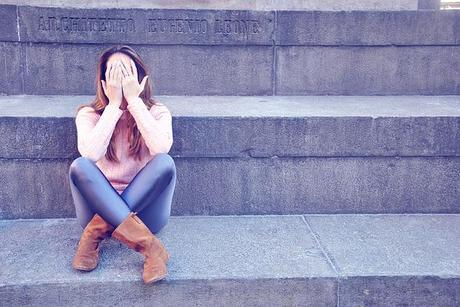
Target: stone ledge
x,y
256,126
275,260
286,185
69,69
401,28
235,4
228,27
243,259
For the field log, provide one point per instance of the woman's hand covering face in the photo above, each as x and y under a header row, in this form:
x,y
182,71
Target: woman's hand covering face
x,y
112,85
130,84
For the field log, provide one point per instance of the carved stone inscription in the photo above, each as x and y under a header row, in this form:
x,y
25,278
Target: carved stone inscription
x,y
151,25
147,26
83,24
197,26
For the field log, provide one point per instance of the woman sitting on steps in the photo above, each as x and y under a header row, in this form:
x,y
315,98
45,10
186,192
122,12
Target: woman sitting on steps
x,y
123,183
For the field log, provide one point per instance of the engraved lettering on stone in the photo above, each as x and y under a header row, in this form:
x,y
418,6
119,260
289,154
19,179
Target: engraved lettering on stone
x,y
184,26
238,26
85,24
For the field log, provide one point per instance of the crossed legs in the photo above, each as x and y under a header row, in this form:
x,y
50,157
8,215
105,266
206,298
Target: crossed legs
x,y
149,193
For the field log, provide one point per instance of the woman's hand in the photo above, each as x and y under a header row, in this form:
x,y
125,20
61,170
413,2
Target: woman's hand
x,y
112,85
131,87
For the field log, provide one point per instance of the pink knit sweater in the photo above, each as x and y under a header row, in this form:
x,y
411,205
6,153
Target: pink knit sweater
x,y
94,132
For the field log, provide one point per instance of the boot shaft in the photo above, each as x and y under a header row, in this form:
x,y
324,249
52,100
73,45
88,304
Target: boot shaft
x,y
137,236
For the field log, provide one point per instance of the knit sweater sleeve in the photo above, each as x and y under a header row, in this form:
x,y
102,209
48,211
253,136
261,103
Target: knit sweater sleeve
x,y
155,125
95,131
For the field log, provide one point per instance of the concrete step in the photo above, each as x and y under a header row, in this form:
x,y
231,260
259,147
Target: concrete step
x,y
331,5
273,155
54,50
265,260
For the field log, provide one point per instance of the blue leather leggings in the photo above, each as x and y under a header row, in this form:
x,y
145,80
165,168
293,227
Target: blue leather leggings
x,y
149,194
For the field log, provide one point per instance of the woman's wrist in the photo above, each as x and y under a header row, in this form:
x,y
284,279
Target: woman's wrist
x,y
132,100
113,108
115,104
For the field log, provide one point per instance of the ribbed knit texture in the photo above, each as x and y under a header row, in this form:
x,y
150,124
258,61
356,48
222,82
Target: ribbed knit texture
x,y
94,132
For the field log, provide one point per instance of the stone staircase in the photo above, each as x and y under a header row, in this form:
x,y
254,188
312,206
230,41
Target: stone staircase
x,y
317,155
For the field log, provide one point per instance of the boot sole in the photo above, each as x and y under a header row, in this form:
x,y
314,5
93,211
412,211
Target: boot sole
x,y
83,268
155,279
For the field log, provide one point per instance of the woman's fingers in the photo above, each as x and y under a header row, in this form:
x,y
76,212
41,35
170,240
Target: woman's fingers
x,y
143,82
112,71
118,73
124,70
134,69
107,72
119,70
115,72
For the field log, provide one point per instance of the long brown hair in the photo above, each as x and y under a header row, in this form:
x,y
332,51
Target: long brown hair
x,y
135,139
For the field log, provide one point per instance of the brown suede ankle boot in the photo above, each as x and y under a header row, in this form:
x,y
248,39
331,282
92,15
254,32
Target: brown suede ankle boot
x,y
137,236
87,254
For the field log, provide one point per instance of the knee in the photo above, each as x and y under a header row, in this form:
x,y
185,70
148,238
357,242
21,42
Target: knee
x,y
77,167
167,162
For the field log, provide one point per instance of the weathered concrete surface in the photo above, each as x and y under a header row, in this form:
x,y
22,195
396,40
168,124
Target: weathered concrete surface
x,y
195,27
238,70
367,28
223,27
225,261
357,70
179,70
240,127
229,27
11,68
8,23
238,5
429,4
423,291
273,154
393,260
314,260
247,107
40,188
236,52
